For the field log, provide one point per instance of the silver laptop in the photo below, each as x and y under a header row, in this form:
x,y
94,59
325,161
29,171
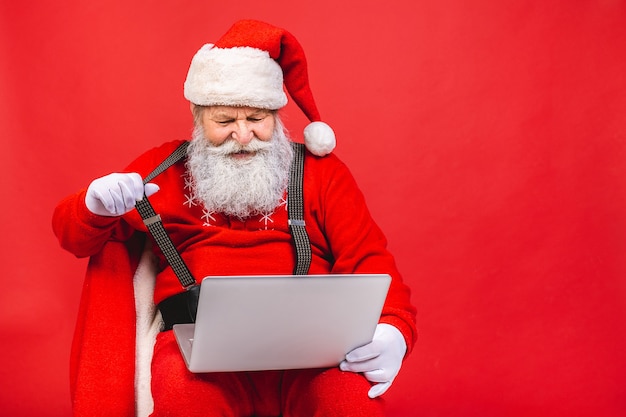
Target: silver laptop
x,y
251,323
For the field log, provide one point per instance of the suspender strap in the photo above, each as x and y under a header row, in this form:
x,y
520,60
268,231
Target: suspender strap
x,y
156,229
155,226
179,153
295,208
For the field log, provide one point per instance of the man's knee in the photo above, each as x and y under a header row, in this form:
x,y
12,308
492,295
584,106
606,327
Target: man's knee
x,y
330,392
176,391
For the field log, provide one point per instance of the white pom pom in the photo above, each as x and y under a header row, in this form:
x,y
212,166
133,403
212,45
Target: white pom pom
x,y
319,138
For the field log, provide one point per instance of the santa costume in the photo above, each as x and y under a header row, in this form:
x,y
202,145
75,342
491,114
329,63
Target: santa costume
x,y
127,276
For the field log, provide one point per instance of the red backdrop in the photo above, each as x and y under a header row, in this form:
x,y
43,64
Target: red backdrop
x,y
489,138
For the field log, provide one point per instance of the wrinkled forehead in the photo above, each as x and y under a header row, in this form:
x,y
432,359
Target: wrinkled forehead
x,y
236,111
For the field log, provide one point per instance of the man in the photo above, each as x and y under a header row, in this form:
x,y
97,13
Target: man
x,y
224,207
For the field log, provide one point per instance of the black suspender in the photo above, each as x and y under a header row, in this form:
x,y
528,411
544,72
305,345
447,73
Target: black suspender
x,y
155,226
295,207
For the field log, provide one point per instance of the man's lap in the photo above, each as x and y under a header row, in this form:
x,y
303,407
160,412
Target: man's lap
x,y
291,393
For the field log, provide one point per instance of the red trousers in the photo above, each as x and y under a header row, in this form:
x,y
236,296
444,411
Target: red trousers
x,y
292,393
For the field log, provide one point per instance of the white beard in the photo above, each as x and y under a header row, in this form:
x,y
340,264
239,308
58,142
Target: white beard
x,y
240,187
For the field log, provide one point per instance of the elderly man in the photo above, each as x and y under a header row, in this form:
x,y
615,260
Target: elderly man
x,y
224,207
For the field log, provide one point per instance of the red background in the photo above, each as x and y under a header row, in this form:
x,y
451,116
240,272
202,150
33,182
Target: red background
x,y
489,138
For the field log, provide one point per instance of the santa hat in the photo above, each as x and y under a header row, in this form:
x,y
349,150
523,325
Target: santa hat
x,y
247,67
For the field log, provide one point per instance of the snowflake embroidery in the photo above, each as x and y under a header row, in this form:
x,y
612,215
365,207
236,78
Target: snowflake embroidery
x,y
190,200
207,216
266,219
188,182
283,203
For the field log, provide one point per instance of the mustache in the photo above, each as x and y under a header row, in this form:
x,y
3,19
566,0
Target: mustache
x,y
231,146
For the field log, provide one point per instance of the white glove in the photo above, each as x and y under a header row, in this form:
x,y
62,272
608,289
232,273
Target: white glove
x,y
380,360
116,194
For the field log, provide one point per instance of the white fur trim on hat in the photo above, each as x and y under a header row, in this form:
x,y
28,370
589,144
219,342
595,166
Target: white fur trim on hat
x,y
319,138
241,76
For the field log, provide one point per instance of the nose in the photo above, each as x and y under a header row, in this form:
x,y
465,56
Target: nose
x,y
242,132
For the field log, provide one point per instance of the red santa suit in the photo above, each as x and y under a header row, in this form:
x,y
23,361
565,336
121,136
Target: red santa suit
x,y
109,359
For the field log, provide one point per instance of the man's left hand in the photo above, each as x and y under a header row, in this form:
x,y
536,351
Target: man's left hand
x,y
380,360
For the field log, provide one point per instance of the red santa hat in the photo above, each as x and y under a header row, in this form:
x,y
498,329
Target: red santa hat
x,y
247,66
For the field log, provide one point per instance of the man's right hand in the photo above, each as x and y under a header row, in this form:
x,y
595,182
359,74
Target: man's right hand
x,y
116,194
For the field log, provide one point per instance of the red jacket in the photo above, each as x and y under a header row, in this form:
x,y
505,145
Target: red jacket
x,y
344,239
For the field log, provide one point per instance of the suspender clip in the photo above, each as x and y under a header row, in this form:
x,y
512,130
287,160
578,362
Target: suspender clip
x,y
152,220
